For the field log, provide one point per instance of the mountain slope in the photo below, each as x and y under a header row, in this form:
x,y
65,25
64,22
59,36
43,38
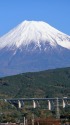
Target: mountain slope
x,y
50,83
33,46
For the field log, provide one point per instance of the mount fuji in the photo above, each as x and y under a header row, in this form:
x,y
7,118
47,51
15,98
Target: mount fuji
x,y
33,46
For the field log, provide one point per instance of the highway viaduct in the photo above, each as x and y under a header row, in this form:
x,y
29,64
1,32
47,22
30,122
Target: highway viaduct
x,y
56,102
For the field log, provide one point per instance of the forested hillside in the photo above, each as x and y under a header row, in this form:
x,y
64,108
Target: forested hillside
x,y
50,83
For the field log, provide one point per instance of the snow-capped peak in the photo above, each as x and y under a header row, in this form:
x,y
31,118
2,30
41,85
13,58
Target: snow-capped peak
x,y
36,32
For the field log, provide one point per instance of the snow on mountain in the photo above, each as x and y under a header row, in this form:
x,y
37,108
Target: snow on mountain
x,y
34,31
33,46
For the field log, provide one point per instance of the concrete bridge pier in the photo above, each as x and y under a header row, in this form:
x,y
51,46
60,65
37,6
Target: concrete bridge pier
x,y
34,104
37,105
64,104
49,105
22,103
19,104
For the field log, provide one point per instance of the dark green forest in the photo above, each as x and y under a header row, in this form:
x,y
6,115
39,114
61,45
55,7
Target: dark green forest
x,y
50,83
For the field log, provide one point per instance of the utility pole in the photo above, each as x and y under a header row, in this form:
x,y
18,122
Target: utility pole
x,y
24,121
33,119
57,109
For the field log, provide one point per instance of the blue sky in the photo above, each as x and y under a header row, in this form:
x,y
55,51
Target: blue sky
x,y
54,12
